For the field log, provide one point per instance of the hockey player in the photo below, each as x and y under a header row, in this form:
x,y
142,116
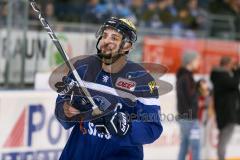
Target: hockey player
x,y
121,133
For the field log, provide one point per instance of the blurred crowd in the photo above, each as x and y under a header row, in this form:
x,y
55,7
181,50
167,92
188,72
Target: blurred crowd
x,y
152,13
185,14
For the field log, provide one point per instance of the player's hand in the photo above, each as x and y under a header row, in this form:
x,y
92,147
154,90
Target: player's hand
x,y
67,86
83,104
70,111
116,123
72,94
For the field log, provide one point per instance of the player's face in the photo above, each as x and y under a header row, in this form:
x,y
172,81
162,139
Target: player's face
x,y
196,63
110,42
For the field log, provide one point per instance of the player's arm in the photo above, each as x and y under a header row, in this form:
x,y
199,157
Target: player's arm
x,y
69,101
145,123
65,112
141,127
147,127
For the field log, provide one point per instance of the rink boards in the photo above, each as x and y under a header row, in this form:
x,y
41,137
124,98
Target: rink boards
x,y
29,129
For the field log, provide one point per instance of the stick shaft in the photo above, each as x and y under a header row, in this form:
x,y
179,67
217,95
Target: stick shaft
x,y
65,57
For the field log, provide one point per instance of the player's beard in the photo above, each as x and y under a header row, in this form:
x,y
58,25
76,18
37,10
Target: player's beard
x,y
107,54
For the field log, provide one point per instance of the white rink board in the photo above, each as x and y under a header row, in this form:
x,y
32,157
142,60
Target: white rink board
x,y
28,126
48,138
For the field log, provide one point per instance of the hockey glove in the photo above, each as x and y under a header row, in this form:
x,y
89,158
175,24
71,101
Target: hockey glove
x,y
72,94
116,123
67,86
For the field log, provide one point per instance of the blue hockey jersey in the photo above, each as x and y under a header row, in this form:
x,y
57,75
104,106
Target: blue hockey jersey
x,y
144,111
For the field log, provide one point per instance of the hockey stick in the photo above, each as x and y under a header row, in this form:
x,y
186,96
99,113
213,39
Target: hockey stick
x,y
95,108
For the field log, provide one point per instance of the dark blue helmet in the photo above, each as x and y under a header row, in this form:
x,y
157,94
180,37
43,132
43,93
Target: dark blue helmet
x,y
121,25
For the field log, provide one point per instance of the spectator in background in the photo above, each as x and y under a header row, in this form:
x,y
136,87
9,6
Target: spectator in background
x,y
233,9
202,3
205,108
34,23
236,70
95,12
204,99
198,13
137,7
150,15
188,15
31,13
3,14
49,12
226,98
187,105
121,9
167,13
226,7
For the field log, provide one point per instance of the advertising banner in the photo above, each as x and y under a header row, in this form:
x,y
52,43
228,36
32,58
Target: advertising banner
x,y
41,54
168,51
30,131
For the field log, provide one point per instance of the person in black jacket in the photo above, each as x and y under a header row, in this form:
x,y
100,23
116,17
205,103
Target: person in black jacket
x,y
187,105
226,99
236,70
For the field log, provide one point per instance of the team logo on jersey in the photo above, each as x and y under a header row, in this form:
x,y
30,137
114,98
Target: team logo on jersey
x,y
125,84
105,78
102,102
151,86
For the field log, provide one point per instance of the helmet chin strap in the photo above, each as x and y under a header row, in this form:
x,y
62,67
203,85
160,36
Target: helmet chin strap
x,y
112,59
